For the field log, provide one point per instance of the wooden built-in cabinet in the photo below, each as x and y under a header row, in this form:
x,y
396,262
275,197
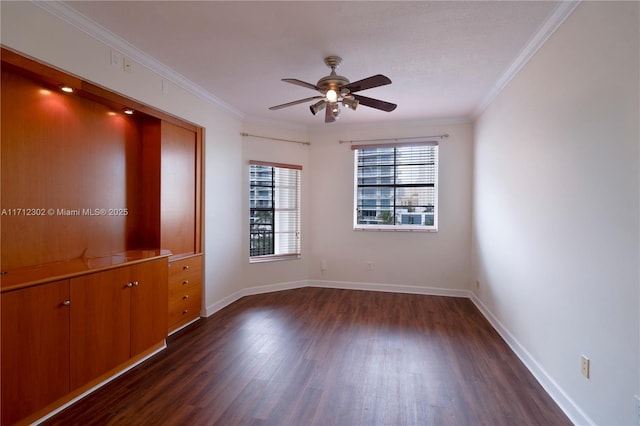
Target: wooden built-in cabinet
x,y
95,206
176,223
60,336
116,314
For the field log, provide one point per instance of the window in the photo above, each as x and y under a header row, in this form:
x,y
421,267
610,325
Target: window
x,y
274,206
396,187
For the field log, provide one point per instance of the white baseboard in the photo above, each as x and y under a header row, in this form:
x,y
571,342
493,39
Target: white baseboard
x,y
390,288
345,285
249,291
566,404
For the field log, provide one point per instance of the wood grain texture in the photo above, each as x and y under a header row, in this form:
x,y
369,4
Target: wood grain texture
x,y
100,324
35,349
178,189
185,291
115,315
149,304
328,357
65,153
150,195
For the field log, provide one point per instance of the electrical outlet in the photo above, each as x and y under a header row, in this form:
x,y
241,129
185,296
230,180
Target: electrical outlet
x,y
477,284
127,64
585,366
369,265
637,398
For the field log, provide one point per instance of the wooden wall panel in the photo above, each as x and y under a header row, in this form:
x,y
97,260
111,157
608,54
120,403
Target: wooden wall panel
x,y
178,189
150,195
63,154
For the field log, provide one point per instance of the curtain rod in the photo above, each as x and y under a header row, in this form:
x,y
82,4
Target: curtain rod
x,y
275,139
445,135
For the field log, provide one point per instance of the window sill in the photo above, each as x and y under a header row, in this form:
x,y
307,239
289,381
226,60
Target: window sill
x,y
273,258
395,229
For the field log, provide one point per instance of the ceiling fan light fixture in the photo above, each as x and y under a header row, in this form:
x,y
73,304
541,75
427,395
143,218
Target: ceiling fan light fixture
x,y
317,107
335,90
331,95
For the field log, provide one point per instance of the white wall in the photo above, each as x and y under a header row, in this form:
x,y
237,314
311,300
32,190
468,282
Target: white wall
x,y
556,210
30,30
420,259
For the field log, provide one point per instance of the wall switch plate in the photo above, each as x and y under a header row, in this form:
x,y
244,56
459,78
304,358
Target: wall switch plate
x,y
585,366
116,58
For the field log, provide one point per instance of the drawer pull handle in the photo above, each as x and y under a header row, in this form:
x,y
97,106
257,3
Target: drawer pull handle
x,y
135,284
185,297
186,311
129,285
185,282
66,303
185,267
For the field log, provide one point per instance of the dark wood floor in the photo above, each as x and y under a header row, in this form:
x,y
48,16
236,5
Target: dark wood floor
x,y
328,357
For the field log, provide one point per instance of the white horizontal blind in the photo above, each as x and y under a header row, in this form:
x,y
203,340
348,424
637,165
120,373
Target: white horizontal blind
x,y
274,211
396,186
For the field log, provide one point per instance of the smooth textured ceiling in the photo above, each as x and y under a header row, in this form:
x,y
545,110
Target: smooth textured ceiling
x,y
443,57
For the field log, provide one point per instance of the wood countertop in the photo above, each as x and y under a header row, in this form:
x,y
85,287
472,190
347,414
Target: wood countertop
x,y
28,276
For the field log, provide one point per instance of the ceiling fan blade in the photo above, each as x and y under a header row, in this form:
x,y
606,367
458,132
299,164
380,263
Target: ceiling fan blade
x,y
375,103
328,115
300,83
299,101
368,83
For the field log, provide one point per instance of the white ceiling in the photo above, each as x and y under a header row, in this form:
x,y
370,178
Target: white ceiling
x,y
444,57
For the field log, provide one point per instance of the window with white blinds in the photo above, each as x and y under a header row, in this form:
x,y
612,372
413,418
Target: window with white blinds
x,y
274,206
396,187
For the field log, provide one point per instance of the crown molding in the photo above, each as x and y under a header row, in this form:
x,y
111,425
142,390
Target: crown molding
x,y
98,32
552,23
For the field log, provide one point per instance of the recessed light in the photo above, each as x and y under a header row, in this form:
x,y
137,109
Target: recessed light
x,y
128,111
67,89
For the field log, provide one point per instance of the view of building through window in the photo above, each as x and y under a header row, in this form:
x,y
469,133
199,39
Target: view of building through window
x,y
274,205
396,186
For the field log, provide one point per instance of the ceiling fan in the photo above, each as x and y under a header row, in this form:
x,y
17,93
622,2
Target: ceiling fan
x,y
337,90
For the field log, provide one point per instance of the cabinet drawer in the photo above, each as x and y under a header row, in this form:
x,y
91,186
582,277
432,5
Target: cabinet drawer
x,y
189,266
185,291
184,308
185,280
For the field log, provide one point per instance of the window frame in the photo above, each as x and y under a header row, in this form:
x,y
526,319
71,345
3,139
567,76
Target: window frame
x,y
394,187
275,201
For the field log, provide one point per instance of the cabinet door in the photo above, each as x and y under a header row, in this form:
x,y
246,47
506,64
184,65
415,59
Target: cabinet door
x,y
149,304
35,348
178,189
100,324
